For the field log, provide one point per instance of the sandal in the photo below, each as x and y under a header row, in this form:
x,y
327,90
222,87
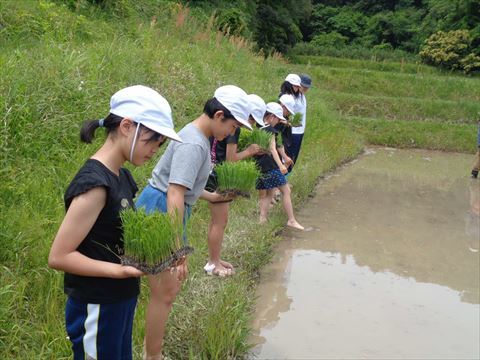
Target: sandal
x,y
210,269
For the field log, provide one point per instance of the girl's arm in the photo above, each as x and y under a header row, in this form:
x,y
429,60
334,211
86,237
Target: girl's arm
x,y
273,150
286,159
78,221
233,156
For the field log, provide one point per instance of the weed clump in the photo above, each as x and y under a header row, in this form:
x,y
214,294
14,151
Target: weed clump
x,y
237,178
152,242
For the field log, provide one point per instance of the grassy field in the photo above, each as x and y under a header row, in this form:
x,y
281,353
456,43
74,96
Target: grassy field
x,y
59,67
399,104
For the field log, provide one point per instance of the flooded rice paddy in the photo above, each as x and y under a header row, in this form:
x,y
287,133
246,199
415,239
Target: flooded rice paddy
x,y
388,267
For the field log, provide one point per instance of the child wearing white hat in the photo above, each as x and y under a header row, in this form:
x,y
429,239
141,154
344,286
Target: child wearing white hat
x,y
102,293
226,150
293,150
273,171
177,182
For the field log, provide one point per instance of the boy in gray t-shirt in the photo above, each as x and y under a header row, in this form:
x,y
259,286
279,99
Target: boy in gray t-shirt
x,y
177,182
187,164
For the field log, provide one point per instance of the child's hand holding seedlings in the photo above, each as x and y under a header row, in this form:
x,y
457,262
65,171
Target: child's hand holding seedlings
x,y
130,271
283,169
253,150
181,268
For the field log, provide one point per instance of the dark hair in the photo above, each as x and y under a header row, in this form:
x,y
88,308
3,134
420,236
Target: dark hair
x,y
213,105
110,123
287,88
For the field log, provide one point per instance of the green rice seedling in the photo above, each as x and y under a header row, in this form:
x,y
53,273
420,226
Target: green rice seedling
x,y
296,120
152,242
244,139
237,177
262,138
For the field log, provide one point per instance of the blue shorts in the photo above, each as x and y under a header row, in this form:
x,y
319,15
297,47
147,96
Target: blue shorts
x,y
152,199
271,179
100,331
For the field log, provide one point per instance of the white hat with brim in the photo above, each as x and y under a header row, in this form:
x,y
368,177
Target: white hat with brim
x,y
289,102
275,109
257,108
145,106
236,101
294,79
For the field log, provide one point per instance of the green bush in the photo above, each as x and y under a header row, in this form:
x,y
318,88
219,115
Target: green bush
x,y
329,39
451,50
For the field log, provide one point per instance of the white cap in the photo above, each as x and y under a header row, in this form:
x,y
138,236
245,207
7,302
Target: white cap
x,y
293,79
236,101
289,102
257,108
276,109
145,106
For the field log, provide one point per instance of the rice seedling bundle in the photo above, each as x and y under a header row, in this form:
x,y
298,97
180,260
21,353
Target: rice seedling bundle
x,y
244,139
237,178
296,120
152,242
260,137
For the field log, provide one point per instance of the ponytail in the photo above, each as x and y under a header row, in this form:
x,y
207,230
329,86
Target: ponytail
x,y
110,123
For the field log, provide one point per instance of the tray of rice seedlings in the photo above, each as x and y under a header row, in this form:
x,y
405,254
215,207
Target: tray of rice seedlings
x,y
237,178
152,242
296,120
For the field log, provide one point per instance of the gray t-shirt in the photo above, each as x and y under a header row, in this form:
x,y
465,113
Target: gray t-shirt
x,y
187,164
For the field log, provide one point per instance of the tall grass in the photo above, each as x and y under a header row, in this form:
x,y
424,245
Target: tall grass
x,y
403,108
406,67
421,86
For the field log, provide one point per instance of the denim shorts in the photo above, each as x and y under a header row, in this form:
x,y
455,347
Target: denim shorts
x,y
152,199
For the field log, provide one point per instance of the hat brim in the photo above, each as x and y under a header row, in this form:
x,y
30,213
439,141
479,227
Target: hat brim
x,y
244,123
258,121
291,111
165,131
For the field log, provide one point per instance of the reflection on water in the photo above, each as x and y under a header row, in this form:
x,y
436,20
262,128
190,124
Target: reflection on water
x,y
389,270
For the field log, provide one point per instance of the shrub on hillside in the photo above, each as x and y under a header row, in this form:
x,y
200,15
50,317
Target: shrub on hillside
x,y
333,39
451,50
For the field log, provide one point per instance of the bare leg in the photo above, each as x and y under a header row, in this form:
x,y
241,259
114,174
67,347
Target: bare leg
x,y
287,205
216,231
164,288
265,197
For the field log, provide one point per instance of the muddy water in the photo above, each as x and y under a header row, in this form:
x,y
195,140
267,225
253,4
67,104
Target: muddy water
x,y
389,268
